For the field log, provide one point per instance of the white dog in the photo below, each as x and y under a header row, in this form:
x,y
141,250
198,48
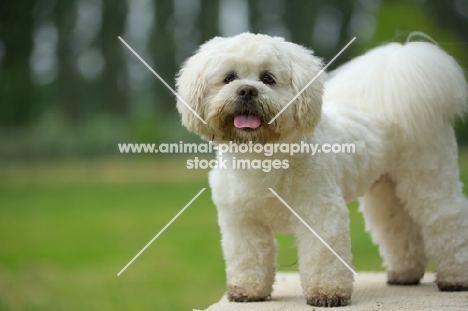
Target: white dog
x,y
396,102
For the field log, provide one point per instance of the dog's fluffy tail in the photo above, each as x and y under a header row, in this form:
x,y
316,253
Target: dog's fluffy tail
x,y
415,88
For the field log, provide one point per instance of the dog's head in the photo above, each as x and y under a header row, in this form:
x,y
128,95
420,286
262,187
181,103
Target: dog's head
x,y
239,84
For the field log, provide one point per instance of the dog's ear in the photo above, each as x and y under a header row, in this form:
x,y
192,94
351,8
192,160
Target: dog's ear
x,y
191,87
308,106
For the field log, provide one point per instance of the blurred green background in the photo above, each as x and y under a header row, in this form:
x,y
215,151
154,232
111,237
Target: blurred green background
x,y
73,211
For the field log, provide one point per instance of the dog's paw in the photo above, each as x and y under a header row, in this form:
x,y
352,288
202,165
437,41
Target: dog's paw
x,y
452,286
405,279
322,300
239,295
403,283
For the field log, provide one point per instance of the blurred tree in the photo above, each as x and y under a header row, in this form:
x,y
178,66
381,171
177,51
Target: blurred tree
x,y
114,83
309,23
70,97
300,19
254,16
16,89
346,8
208,21
162,48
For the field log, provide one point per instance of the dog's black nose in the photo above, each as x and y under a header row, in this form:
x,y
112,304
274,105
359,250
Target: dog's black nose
x,y
247,91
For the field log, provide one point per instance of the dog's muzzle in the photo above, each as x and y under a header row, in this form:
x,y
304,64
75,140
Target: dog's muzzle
x,y
247,116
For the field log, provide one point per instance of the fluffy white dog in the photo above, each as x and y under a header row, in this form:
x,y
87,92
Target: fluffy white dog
x,y
396,102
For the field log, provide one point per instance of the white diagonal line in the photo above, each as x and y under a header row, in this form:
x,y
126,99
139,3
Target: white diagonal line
x,y
312,230
162,230
162,80
311,81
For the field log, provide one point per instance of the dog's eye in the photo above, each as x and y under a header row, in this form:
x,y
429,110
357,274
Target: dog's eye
x,y
229,78
267,79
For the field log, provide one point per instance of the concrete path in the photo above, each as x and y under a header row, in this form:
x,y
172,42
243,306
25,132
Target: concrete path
x,y
370,293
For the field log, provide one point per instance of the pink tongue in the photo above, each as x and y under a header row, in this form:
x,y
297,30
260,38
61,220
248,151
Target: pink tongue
x,y
247,121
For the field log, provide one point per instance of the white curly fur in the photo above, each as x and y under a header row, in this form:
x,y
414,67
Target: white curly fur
x,y
396,102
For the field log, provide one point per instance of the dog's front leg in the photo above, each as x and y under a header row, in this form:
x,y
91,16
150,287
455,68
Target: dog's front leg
x,y
249,250
326,281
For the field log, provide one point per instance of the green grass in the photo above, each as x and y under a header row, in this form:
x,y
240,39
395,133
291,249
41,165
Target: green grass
x,y
68,227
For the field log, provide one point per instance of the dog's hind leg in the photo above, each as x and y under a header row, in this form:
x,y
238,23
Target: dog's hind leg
x,y
400,241
435,201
